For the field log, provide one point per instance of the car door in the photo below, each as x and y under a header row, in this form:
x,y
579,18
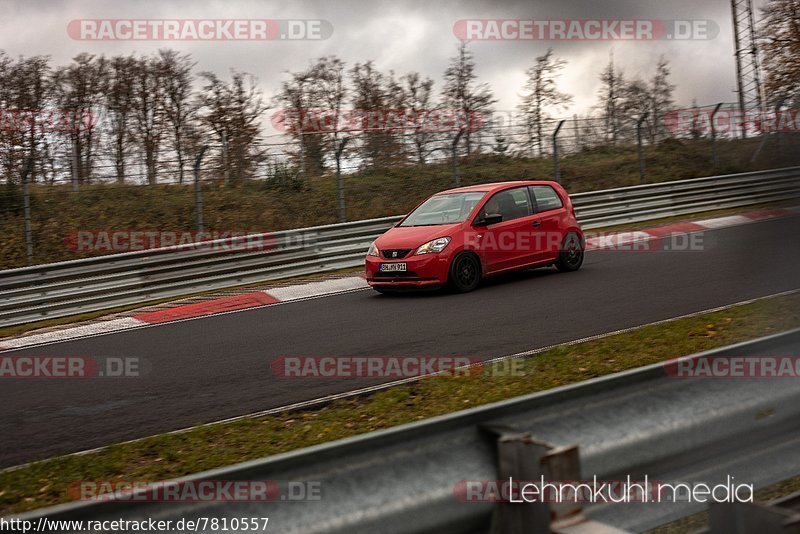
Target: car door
x,y
502,245
549,212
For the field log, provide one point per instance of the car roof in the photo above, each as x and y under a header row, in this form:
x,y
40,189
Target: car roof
x,y
496,186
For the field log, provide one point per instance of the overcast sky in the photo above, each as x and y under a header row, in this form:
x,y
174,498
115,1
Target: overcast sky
x,y
403,36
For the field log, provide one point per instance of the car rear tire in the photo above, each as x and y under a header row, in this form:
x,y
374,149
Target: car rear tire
x,y
465,273
571,256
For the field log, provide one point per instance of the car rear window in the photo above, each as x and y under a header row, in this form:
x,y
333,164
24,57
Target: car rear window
x,y
546,198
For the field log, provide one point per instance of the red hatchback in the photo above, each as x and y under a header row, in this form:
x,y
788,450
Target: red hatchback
x,y
456,237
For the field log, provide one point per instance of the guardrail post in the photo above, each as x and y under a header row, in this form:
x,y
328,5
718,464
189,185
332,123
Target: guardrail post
x,y
639,146
26,206
198,193
714,155
526,460
556,168
339,182
454,151
752,518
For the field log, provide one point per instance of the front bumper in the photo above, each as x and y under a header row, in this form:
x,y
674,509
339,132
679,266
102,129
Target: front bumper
x,y
424,271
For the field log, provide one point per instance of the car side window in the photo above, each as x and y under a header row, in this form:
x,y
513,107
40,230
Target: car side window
x,y
511,204
546,198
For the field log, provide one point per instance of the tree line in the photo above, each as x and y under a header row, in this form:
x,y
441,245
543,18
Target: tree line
x,y
151,107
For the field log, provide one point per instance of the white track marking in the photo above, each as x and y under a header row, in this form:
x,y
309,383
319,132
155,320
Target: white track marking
x,y
724,222
101,327
617,239
314,289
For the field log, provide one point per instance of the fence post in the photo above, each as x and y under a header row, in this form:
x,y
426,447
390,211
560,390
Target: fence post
x,y
454,151
714,155
556,168
303,154
225,162
74,166
198,193
339,182
639,146
577,132
26,207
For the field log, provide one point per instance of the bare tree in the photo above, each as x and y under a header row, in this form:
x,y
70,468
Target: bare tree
x,y
179,110
417,95
611,94
149,120
311,102
635,101
375,100
661,98
540,94
331,92
780,43
9,138
31,86
463,94
119,108
297,100
78,91
232,112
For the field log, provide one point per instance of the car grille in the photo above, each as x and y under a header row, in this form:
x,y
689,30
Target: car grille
x,y
395,254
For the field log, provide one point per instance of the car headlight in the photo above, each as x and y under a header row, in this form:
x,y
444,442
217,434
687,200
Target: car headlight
x,y
373,250
436,245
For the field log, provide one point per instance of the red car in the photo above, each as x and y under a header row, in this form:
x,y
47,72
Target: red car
x,y
456,237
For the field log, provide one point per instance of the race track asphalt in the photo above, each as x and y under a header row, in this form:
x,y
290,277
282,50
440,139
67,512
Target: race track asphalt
x,y
216,367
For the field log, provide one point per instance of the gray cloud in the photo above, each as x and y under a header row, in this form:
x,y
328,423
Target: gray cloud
x,y
403,36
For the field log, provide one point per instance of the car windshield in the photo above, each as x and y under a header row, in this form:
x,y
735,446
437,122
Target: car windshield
x,y
447,208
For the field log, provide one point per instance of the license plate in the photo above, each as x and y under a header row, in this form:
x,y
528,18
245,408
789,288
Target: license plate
x,y
392,267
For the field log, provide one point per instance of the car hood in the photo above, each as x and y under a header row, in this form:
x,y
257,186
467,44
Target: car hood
x,y
413,236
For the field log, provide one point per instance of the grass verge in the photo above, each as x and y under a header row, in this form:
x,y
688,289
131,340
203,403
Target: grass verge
x,y
175,455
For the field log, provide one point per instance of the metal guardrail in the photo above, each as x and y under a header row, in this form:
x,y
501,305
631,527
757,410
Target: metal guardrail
x,y
66,288
402,480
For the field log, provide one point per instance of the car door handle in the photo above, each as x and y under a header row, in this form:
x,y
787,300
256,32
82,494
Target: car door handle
x,y
536,224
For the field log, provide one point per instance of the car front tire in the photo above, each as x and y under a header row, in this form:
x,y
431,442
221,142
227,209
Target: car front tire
x,y
465,273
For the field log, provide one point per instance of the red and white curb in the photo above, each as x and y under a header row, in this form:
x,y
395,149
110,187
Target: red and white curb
x,y
244,301
334,286
620,240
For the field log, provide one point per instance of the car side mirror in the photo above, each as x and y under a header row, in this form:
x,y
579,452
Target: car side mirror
x,y
489,219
